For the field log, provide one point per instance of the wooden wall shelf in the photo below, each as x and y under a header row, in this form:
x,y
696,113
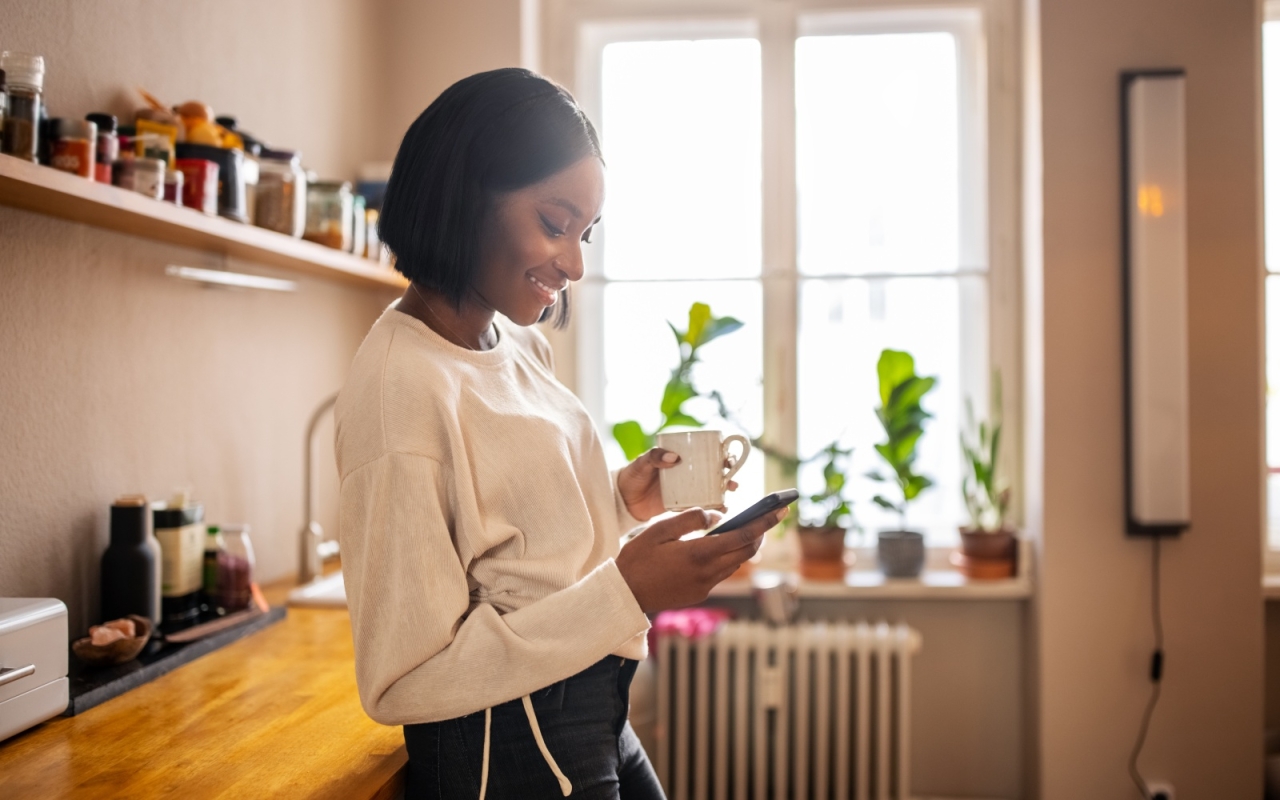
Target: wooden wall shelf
x,y
45,190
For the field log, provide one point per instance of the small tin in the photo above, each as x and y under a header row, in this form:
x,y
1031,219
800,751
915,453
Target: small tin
x,y
141,175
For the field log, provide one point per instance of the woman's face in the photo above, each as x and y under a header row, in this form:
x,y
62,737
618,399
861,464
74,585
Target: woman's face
x,y
531,242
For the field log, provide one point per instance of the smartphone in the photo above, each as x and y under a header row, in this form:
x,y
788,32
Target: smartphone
x,y
770,502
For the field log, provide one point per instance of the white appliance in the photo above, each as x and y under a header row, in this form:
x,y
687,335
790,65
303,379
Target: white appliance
x,y
33,662
756,712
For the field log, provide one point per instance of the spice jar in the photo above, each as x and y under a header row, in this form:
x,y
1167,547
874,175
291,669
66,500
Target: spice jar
x,y
235,568
230,176
107,147
173,186
282,193
372,242
200,184
358,225
329,205
75,142
142,175
24,81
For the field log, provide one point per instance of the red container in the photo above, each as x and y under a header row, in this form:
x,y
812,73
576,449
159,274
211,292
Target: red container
x,y
200,184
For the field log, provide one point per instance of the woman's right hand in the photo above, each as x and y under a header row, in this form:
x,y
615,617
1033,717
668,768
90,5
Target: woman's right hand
x,y
665,572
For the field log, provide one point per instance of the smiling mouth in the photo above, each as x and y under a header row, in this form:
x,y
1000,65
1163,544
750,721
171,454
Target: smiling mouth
x,y
551,292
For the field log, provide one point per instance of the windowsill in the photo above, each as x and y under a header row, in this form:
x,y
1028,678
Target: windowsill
x,y
939,581
1271,586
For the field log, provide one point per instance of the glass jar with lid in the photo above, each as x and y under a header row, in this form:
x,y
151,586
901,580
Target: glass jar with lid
x,y
329,208
282,193
235,568
24,87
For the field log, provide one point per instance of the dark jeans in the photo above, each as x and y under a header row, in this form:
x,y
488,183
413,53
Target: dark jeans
x,y
584,723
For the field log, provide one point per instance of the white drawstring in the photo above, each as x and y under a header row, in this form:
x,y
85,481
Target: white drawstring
x,y
484,765
566,788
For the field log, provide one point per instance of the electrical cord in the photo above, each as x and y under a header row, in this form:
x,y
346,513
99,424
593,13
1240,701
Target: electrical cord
x,y
1157,670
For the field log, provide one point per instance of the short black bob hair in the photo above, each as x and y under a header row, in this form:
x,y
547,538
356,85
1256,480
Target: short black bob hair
x,y
493,132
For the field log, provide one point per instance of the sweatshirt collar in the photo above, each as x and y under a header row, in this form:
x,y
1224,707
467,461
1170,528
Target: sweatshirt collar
x,y
494,355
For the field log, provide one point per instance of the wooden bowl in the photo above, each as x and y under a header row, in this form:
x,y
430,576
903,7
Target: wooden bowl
x,y
117,652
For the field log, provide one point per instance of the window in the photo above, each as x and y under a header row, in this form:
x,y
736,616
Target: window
x,y
1271,196
823,177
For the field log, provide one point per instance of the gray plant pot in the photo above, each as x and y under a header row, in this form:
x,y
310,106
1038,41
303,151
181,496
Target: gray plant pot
x,y
901,553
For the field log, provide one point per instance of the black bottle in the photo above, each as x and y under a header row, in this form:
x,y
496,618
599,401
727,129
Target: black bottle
x,y
131,563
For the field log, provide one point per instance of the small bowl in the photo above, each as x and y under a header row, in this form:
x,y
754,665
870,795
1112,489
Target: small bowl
x,y
117,652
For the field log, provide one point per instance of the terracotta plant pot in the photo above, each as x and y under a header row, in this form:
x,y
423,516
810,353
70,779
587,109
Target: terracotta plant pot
x,y
901,553
987,555
992,546
822,552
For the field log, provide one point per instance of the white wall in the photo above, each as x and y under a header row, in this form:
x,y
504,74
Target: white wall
x,y
1094,632
117,379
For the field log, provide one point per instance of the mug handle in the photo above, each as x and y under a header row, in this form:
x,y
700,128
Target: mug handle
x,y
735,464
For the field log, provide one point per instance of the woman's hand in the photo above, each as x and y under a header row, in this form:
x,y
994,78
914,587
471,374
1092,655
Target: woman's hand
x,y
638,483
665,572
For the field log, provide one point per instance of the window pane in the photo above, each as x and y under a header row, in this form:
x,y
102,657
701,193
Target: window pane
x,y
1271,204
1271,140
844,324
877,154
1273,408
640,351
681,137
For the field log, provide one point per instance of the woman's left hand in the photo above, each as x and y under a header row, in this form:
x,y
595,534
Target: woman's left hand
x,y
639,485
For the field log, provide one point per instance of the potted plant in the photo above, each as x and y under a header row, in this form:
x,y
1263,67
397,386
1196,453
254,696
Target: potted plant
x,y
988,547
703,328
900,552
828,517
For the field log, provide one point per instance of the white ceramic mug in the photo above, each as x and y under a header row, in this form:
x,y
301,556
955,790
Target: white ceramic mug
x,y
701,477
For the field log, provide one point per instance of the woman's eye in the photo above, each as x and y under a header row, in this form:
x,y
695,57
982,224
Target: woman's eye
x,y
552,230
586,237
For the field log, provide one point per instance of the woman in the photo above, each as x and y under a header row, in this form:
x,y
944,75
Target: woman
x,y
494,616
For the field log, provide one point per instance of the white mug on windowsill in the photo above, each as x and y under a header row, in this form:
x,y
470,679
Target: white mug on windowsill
x,y
701,477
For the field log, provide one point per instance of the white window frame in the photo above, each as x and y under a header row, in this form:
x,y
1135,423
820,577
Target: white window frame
x,y
573,33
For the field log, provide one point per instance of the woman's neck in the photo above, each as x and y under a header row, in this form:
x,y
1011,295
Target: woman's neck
x,y
470,326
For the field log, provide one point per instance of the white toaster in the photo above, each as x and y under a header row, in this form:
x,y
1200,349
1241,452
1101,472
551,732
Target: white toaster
x,y
33,662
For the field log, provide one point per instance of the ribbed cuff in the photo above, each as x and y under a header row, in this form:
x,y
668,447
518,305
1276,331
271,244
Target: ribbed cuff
x,y
632,618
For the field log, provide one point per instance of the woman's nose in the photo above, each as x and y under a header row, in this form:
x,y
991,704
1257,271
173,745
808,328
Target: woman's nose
x,y
571,264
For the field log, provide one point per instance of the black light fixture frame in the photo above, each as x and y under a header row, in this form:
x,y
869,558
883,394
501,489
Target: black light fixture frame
x,y
1133,527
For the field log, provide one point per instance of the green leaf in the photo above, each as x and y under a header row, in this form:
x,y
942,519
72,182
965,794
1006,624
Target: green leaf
x,y
632,438
885,504
907,394
916,485
674,395
893,368
875,475
677,333
683,420
717,327
901,449
905,421
699,316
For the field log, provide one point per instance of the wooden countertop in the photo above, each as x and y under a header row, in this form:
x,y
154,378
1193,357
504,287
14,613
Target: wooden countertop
x,y
275,714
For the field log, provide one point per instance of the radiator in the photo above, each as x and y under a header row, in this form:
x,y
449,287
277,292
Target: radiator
x,y
812,711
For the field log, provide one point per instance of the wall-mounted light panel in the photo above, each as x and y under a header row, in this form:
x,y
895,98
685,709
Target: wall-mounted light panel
x,y
1157,399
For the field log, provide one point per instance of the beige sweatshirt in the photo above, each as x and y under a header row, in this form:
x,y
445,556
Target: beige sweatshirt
x,y
478,524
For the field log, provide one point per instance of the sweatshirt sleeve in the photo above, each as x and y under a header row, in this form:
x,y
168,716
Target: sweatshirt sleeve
x,y
626,522
423,653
